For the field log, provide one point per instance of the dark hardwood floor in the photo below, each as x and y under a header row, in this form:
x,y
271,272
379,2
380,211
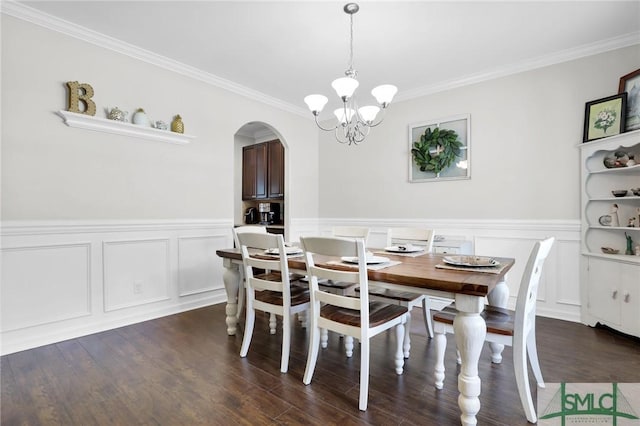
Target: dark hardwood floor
x,y
184,369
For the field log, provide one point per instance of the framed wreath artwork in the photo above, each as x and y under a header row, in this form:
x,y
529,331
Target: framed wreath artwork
x,y
439,149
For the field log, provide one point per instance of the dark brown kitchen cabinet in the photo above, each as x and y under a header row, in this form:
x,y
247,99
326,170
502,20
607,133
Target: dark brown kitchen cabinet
x,y
275,171
263,171
254,172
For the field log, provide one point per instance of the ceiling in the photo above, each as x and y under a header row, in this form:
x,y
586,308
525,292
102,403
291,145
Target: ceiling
x,y
286,50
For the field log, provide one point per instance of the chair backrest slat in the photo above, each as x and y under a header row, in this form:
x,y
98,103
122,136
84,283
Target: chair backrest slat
x,y
258,242
336,248
351,232
422,237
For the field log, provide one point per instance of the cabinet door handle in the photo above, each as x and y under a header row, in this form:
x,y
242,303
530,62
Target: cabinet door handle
x,y
627,296
615,294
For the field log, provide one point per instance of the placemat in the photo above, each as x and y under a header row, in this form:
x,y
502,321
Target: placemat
x,y
486,269
374,267
414,254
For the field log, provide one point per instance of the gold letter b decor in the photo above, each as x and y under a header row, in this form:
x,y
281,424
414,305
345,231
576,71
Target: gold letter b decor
x,y
81,93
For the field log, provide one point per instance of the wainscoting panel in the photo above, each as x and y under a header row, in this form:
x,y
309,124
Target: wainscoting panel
x,y
62,280
135,272
197,272
45,284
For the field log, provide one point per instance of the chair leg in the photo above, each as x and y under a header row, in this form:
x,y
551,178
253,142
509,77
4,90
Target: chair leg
x,y
324,338
406,347
401,332
312,355
522,379
241,296
364,374
426,313
348,346
532,351
272,323
286,342
441,346
250,318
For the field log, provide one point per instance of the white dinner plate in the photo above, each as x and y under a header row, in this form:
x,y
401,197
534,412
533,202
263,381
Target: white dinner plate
x,y
288,250
404,248
471,261
371,260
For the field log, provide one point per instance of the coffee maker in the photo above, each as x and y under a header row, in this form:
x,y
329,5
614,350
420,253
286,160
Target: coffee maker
x,y
265,216
269,213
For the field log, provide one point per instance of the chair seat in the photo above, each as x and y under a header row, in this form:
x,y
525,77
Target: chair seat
x,y
335,284
499,320
299,295
401,296
379,313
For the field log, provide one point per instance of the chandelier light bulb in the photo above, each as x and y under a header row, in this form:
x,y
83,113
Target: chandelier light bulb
x,y
340,114
384,94
344,87
368,113
316,103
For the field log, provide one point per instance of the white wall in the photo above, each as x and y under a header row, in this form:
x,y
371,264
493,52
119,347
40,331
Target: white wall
x,y
54,172
524,160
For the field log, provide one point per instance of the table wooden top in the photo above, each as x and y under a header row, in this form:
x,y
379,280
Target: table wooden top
x,y
417,272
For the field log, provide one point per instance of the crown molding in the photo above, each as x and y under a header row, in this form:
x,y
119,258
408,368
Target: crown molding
x,y
527,65
26,13
34,16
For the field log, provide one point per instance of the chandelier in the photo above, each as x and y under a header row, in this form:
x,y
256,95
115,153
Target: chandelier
x,y
354,123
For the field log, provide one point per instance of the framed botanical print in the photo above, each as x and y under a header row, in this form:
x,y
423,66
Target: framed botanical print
x,y
604,117
440,149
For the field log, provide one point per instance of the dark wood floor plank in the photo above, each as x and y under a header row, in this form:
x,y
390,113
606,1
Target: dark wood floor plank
x,y
184,369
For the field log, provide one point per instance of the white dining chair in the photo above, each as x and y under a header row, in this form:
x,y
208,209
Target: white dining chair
x,y
506,327
423,238
241,285
357,317
270,291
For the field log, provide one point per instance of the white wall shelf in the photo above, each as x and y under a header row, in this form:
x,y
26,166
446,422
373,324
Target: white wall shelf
x,y
88,122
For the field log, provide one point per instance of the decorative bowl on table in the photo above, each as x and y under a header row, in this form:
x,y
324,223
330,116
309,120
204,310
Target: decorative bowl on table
x,y
609,250
619,192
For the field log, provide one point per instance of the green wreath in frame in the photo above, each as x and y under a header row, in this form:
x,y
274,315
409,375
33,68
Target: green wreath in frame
x,y
436,150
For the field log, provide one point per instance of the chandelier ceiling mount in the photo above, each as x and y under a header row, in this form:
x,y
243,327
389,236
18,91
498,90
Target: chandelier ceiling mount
x,y
354,123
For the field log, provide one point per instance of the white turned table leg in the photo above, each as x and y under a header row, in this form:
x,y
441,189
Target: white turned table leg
x,y
231,279
470,332
498,297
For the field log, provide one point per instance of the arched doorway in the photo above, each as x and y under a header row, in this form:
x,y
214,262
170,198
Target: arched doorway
x,y
270,204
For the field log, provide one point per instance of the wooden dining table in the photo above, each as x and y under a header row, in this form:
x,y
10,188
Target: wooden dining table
x,y
469,287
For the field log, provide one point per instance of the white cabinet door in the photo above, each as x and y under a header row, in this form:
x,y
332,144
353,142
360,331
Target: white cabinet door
x,y
630,299
604,289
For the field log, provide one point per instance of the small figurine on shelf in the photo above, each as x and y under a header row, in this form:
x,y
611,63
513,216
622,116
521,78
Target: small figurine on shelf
x,y
140,118
177,125
632,161
632,222
629,244
614,215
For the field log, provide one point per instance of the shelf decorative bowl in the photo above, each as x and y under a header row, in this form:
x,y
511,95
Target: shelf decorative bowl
x,y
636,191
619,192
609,250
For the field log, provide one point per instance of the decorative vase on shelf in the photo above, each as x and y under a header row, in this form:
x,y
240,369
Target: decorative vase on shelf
x,y
177,125
117,114
140,118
